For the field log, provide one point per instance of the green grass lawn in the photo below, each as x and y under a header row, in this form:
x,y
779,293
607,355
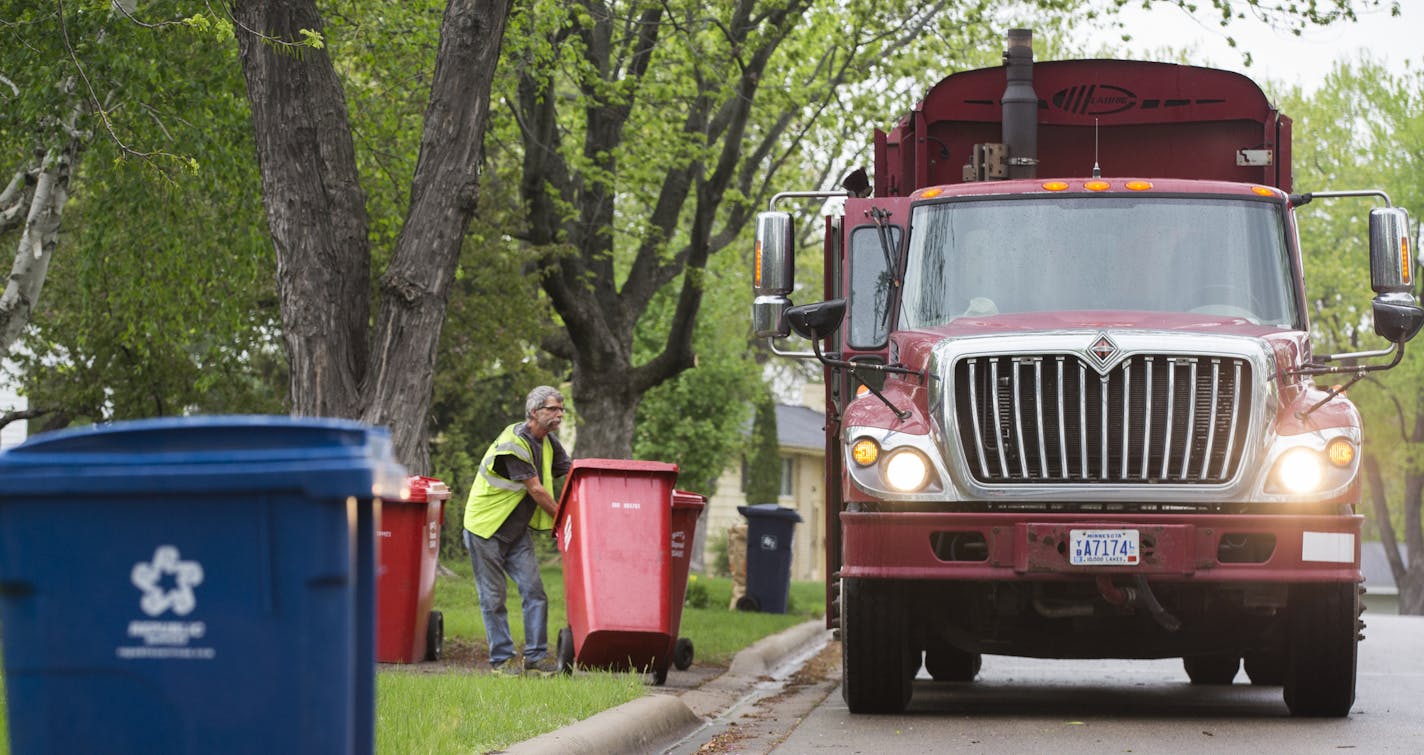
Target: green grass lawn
x,y
461,709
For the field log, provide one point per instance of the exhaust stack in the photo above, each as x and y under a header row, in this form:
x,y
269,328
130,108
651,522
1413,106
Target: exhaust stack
x,y
1020,106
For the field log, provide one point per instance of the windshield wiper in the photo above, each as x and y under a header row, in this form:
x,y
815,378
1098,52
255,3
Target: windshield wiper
x,y
881,217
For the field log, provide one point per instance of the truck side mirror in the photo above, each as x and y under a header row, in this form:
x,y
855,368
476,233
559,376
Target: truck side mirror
x,y
817,321
1396,316
773,274
1391,270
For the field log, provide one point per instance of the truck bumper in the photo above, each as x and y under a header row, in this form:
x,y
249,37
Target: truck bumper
x,y
1174,548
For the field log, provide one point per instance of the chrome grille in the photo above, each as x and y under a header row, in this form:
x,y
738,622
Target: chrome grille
x,y
1054,418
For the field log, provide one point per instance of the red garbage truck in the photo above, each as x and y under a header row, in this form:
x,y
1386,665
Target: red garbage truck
x,y
1073,405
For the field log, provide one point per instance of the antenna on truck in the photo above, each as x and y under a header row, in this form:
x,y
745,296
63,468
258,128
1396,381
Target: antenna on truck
x,y
1097,171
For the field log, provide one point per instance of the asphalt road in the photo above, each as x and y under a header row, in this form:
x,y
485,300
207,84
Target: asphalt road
x,y
1027,705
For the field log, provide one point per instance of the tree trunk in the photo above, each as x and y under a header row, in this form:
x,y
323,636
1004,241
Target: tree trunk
x,y
315,208
1408,577
317,215
1411,591
606,407
444,196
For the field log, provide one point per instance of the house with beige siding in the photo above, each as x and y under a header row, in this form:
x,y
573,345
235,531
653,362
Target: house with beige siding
x,y
800,435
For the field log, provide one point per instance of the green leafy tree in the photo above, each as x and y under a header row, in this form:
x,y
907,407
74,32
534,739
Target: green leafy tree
x,y
1364,129
698,418
763,481
166,304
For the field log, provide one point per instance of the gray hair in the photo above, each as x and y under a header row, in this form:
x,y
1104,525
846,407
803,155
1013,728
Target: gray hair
x,y
538,396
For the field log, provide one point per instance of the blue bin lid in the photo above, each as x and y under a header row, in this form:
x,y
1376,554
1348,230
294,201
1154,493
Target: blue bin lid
x,y
770,511
220,453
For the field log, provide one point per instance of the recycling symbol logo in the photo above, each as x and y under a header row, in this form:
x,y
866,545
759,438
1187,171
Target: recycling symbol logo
x,y
167,582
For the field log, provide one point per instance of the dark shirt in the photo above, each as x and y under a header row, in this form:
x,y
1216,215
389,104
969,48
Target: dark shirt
x,y
511,468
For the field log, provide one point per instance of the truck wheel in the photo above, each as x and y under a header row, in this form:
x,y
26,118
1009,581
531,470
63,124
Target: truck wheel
x,y
564,651
875,647
947,663
1322,636
1213,668
682,654
434,636
1266,669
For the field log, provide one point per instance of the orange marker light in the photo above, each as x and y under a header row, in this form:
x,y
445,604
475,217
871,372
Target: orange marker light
x,y
1340,452
1097,185
1139,185
931,193
756,270
1055,186
1404,265
865,452
1263,191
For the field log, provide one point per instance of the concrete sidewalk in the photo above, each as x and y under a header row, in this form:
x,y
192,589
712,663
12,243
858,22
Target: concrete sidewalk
x,y
653,723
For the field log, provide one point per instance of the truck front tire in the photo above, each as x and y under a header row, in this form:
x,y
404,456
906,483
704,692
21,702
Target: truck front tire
x,y
1323,637
875,647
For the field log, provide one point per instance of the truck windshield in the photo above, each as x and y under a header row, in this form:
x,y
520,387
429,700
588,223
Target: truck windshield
x,y
1213,256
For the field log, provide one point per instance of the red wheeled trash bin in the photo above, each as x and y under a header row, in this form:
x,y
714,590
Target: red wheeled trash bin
x,y
626,539
407,630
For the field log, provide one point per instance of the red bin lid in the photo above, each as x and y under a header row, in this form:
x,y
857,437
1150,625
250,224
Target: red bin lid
x,y
425,489
687,499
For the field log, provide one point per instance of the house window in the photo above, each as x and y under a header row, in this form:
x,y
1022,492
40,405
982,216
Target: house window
x,y
788,471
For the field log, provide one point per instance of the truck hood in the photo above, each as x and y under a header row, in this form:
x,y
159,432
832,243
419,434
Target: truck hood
x,y
913,346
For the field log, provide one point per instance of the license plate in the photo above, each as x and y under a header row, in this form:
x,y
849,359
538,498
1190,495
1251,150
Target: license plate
x,y
1103,547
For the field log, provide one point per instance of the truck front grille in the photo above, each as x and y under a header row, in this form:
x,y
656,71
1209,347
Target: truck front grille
x,y
1054,418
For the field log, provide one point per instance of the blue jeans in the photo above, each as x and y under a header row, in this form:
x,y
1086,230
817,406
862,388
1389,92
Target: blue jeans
x,y
491,561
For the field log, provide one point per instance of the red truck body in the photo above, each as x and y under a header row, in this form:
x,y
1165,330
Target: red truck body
x,y
1131,117
1071,408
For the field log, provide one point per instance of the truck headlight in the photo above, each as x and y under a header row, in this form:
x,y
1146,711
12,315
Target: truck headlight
x,y
1303,470
1300,470
906,470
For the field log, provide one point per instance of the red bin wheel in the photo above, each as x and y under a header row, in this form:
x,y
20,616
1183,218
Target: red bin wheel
x,y
565,651
435,636
682,654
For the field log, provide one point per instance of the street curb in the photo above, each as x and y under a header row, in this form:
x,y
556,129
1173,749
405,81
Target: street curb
x,y
769,652
634,726
651,723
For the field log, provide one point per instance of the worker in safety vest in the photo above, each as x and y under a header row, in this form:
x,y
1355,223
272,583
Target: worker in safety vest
x,y
512,496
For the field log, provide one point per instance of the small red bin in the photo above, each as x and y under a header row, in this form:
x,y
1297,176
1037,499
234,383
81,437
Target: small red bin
x,y
407,630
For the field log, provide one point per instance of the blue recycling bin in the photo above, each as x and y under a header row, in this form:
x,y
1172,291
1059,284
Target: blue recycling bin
x,y
769,532
202,584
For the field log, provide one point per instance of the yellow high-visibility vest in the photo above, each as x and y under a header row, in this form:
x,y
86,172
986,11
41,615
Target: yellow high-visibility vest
x,y
493,497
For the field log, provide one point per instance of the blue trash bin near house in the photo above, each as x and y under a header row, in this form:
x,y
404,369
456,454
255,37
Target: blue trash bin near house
x,y
769,532
203,584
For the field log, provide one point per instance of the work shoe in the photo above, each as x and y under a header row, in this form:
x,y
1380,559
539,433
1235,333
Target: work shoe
x,y
543,667
510,667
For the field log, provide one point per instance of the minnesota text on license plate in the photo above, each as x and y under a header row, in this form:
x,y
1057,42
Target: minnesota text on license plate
x,y
1103,547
